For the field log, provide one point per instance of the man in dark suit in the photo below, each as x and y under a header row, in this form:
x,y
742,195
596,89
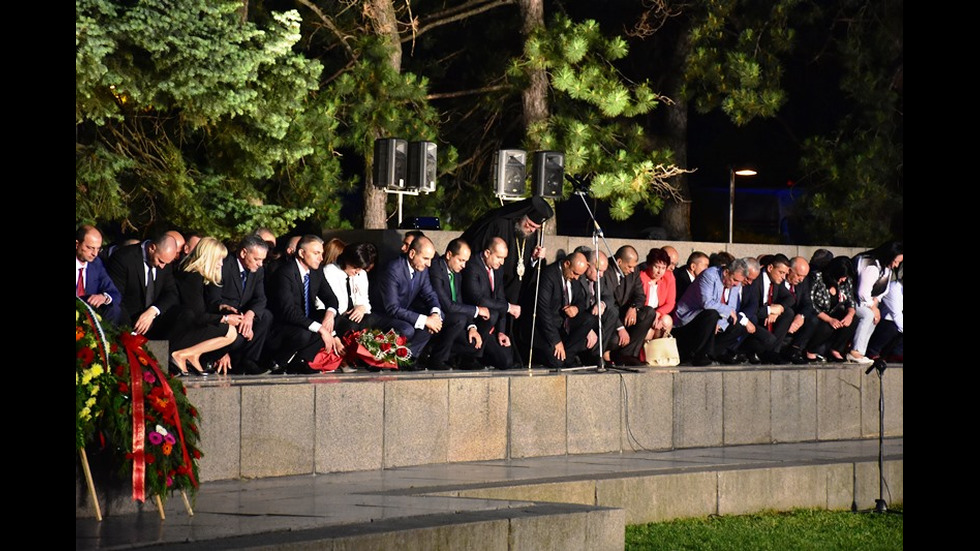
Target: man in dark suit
x,y
635,318
600,302
697,262
557,337
143,273
459,333
799,284
92,281
403,285
243,292
299,330
482,286
768,304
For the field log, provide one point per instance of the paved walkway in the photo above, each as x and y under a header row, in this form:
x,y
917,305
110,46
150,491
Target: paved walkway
x,y
240,513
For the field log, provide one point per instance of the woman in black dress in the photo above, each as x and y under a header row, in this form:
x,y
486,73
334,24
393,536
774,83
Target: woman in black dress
x,y
198,330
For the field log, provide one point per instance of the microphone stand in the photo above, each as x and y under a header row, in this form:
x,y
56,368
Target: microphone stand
x,y
596,235
879,365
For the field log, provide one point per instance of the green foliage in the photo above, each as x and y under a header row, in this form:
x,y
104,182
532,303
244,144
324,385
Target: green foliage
x,y
856,171
735,56
185,115
797,529
594,112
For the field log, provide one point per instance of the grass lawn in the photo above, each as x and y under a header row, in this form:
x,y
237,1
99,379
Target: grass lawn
x,y
809,529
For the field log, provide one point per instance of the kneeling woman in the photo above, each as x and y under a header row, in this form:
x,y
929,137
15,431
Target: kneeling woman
x,y
198,330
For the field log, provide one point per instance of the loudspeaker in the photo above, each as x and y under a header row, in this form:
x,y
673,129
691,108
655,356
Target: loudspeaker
x,y
422,166
509,172
549,173
390,163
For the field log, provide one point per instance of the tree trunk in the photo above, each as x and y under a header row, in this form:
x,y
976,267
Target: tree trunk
x,y
385,24
676,215
534,98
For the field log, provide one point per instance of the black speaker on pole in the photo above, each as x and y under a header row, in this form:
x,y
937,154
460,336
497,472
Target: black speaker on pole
x,y
549,173
390,163
422,166
510,173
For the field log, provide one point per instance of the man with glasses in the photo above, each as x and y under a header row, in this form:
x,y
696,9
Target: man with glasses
x,y
706,320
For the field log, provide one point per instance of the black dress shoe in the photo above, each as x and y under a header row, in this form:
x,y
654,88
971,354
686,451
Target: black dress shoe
x,y
701,361
301,367
251,368
729,358
629,361
439,365
753,358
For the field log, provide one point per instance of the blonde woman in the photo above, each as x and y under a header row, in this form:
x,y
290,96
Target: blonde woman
x,y
198,330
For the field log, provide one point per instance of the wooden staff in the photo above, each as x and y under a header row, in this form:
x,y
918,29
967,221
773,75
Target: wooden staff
x,y
91,484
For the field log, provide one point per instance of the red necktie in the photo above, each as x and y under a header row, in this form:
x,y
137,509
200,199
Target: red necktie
x,y
490,275
772,286
80,285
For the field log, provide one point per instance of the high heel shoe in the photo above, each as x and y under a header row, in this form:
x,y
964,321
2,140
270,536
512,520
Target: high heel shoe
x,y
198,370
175,368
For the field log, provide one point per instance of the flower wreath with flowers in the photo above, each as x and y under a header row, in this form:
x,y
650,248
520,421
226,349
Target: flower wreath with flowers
x,y
125,402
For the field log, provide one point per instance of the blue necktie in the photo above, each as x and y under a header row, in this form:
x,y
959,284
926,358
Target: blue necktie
x,y
244,278
306,293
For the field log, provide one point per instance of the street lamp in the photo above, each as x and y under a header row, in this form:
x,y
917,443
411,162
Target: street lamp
x,y
732,172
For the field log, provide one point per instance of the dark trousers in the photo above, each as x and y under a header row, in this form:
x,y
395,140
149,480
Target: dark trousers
x,y
825,338
441,344
767,341
696,338
886,338
645,317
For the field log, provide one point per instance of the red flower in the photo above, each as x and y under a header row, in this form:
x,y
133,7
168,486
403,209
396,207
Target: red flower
x,y
401,340
150,458
402,352
113,348
385,347
379,337
123,387
86,355
196,454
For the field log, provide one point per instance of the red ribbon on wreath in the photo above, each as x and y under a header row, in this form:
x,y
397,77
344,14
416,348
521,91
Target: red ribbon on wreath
x,y
138,357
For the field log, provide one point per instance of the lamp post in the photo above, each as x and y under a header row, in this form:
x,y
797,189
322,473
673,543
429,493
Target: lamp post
x,y
732,172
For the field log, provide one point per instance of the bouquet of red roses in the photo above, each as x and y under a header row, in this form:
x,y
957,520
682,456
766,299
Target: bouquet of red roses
x,y
376,348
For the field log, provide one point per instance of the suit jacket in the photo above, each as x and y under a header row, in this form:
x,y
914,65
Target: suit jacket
x,y
97,281
476,290
439,278
666,293
126,268
803,304
705,294
754,305
550,318
288,306
628,292
682,280
251,297
395,292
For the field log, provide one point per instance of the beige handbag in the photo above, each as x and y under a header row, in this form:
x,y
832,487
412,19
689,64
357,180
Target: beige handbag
x,y
662,352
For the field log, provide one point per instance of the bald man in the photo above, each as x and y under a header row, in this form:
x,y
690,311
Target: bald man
x,y
410,304
561,327
92,281
635,317
143,273
600,302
